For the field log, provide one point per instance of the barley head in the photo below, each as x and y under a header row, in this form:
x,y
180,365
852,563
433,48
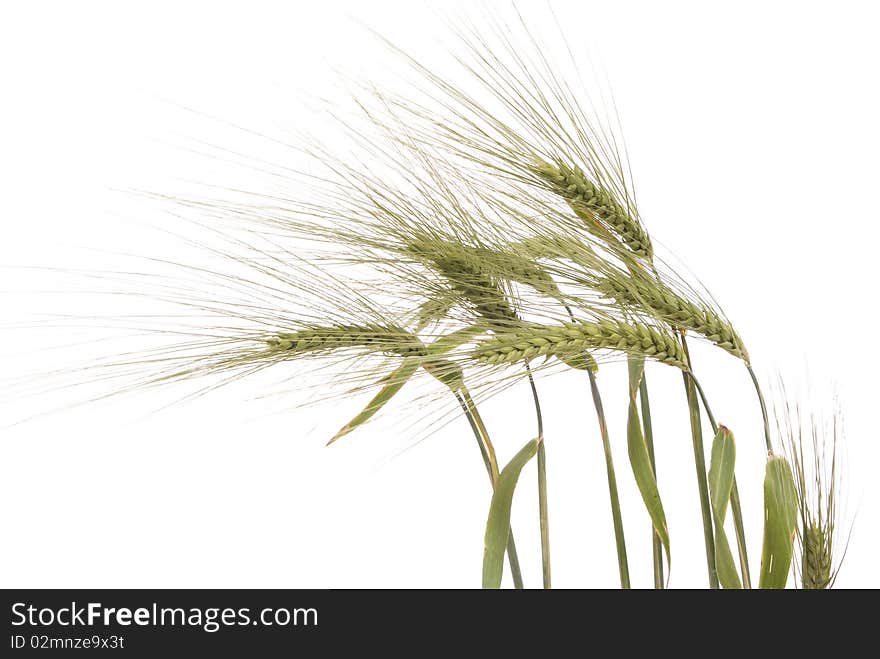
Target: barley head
x,y
817,563
463,272
372,338
566,342
593,203
511,266
813,449
666,305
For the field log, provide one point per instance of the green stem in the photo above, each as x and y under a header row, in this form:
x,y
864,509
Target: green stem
x,y
735,504
767,439
657,544
622,562
482,435
542,486
488,453
700,462
619,538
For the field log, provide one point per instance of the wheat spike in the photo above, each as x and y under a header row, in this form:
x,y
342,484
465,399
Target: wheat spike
x,y
390,341
465,274
509,265
817,571
374,338
664,304
812,446
571,339
593,203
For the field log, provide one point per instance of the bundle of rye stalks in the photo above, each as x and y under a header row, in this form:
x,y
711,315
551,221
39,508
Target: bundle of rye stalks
x,y
489,237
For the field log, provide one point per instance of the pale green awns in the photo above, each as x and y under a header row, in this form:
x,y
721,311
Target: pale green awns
x,y
659,301
481,277
471,282
813,449
569,340
437,308
413,354
634,290
387,340
817,557
596,206
371,338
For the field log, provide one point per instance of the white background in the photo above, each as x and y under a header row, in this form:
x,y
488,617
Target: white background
x,y
753,136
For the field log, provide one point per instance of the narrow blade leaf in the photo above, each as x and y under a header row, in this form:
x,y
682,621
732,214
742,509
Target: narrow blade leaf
x,y
393,383
640,458
498,524
721,474
728,576
721,471
447,372
780,521
581,361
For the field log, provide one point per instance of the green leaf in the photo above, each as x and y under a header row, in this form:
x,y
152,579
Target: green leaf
x,y
721,474
780,521
721,470
447,372
580,361
728,576
393,383
498,524
640,458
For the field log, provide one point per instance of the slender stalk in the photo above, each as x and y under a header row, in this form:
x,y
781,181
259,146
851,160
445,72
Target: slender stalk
x,y
619,538
545,521
735,504
657,544
542,486
767,439
702,479
482,435
488,453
